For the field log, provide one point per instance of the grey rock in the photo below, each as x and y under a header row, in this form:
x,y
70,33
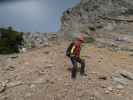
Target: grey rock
x,y
10,68
46,52
2,87
119,80
122,78
108,18
32,86
119,86
90,11
48,66
131,50
14,56
110,88
127,75
107,92
100,45
102,77
13,84
131,54
33,40
92,97
126,49
22,50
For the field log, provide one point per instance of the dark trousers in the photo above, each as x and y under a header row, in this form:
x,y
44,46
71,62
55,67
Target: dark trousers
x,y
75,61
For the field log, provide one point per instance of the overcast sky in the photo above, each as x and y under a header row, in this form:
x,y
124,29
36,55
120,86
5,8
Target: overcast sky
x,y
34,15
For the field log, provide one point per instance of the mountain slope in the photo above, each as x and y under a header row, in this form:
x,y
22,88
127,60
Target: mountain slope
x,y
44,74
100,14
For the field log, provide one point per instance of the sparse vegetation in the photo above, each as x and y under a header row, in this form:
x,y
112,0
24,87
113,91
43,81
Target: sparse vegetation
x,y
10,40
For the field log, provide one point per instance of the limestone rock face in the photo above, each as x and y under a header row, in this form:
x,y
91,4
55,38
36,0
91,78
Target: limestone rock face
x,y
35,39
103,15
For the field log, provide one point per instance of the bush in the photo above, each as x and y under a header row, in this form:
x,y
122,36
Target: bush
x,y
10,40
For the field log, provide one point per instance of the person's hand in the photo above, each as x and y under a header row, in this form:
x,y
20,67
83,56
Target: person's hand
x,y
72,55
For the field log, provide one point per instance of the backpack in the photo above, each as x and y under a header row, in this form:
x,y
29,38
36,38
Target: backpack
x,y
68,51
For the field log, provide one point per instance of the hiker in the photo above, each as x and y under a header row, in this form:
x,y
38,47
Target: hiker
x,y
73,52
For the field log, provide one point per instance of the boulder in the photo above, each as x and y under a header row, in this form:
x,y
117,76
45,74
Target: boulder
x,y
2,87
127,75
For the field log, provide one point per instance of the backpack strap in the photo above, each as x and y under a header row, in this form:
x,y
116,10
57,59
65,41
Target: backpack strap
x,y
72,49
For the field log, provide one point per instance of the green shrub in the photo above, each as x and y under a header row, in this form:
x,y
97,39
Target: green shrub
x,y
10,40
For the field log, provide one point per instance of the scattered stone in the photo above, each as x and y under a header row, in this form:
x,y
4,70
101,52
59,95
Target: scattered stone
x,y
22,50
127,75
100,45
131,50
52,36
41,72
99,61
10,68
101,58
2,87
119,86
107,92
103,86
102,77
120,80
5,97
46,52
13,84
50,81
110,89
27,63
93,72
119,94
14,56
124,49
122,77
47,44
130,54
122,39
49,66
92,98
32,86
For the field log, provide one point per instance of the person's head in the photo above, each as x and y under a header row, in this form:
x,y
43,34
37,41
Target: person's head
x,y
80,39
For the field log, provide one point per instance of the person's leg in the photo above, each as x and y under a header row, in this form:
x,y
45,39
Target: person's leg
x,y
82,62
82,70
74,69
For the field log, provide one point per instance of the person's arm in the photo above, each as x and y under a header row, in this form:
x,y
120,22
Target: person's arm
x,y
72,50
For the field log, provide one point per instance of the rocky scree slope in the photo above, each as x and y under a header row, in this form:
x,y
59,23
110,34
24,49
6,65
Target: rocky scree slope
x,y
44,74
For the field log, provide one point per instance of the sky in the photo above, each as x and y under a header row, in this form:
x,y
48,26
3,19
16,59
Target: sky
x,y
34,15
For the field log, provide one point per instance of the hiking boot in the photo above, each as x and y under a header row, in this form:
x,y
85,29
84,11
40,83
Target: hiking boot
x,y
73,74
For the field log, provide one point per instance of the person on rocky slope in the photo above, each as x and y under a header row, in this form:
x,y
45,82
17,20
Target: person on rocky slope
x,y
73,52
